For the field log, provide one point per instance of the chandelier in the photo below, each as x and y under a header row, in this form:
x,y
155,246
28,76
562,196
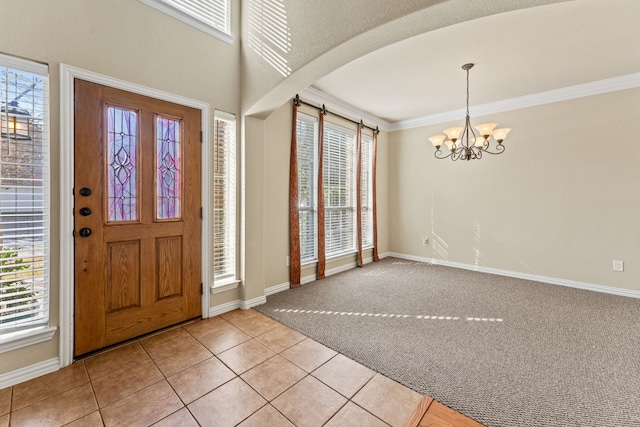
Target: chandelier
x,y
463,142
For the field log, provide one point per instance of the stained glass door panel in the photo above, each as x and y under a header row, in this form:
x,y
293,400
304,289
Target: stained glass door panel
x,y
168,167
122,146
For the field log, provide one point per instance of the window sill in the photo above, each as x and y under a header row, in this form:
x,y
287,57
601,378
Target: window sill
x,y
225,285
24,338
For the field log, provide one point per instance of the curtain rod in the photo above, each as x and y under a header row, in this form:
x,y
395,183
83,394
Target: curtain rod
x,y
323,110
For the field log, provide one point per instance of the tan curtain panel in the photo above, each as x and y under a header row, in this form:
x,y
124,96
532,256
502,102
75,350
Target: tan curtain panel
x,y
374,156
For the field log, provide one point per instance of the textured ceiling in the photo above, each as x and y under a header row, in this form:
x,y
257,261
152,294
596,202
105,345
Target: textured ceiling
x,y
516,53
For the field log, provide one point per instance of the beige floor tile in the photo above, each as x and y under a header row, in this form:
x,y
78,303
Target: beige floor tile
x,y
92,420
344,375
224,339
257,325
166,341
227,405
196,381
273,377
309,403
280,338
352,415
245,356
60,409
386,399
182,418
181,357
5,400
4,420
143,408
49,385
308,354
238,315
124,382
113,360
204,327
267,416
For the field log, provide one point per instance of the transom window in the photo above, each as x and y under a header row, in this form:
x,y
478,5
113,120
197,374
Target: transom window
x,y
211,16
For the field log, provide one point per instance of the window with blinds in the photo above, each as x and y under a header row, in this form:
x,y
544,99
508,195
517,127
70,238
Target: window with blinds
x,y
224,198
339,189
24,194
366,190
210,16
306,136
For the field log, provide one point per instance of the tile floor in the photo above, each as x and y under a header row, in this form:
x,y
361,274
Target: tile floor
x,y
239,368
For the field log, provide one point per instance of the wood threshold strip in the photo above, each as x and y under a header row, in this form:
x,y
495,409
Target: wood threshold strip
x,y
431,413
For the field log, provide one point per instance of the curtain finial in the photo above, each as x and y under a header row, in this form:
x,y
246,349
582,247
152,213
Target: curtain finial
x,y
361,124
377,130
324,110
296,100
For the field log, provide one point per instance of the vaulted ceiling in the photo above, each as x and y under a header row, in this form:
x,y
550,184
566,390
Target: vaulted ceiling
x,y
515,53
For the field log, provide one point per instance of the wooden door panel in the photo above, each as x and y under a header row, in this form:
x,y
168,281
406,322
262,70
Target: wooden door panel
x,y
139,269
123,275
169,266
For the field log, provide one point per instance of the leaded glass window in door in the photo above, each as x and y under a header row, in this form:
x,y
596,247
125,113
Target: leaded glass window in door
x,y
168,168
122,146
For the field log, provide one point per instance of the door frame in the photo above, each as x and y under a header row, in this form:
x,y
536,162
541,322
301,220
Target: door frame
x,y
67,120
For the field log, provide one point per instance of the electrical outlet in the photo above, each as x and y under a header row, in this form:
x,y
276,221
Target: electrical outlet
x,y
425,241
287,261
618,265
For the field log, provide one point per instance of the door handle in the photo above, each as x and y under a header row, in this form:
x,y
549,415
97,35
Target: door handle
x,y
85,232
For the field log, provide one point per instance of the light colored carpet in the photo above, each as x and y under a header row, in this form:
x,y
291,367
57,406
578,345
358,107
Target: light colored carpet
x,y
505,352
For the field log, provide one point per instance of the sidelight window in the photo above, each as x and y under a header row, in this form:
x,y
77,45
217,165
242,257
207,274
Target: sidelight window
x,y
24,194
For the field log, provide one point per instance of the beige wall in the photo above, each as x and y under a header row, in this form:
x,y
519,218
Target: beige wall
x,y
561,201
276,196
124,39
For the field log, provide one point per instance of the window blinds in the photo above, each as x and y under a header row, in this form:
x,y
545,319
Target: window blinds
x,y
214,14
306,132
24,194
224,197
339,189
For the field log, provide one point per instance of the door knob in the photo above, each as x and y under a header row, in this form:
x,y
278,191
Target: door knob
x,y
85,191
85,211
85,232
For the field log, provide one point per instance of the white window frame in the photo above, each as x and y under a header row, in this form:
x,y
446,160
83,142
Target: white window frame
x,y
229,279
190,13
351,207
22,334
314,190
367,190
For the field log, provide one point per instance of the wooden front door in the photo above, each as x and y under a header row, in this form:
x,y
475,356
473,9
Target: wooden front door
x,y
137,228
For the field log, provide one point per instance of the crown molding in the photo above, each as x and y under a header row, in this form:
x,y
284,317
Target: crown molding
x,y
599,87
338,106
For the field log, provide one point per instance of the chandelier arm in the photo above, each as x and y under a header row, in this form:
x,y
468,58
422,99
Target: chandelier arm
x,y
499,149
438,154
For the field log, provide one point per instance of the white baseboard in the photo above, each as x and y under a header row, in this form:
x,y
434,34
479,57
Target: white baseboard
x,y
246,305
29,372
277,288
312,277
526,276
233,305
